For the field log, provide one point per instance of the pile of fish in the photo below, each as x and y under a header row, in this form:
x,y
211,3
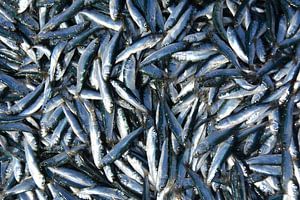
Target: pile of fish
x,y
149,99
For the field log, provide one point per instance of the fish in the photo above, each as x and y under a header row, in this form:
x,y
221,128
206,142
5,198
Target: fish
x,y
135,99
